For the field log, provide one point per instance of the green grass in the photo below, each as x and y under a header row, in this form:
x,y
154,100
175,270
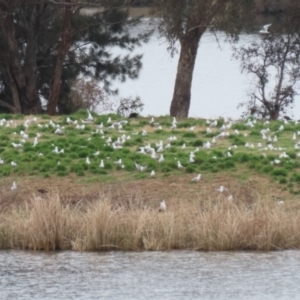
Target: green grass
x,y
80,144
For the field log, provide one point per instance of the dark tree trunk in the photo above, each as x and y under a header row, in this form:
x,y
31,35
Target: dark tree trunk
x,y
21,77
274,114
16,108
63,48
30,65
182,91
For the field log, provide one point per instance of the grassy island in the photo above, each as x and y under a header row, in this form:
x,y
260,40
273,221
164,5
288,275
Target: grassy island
x,y
96,183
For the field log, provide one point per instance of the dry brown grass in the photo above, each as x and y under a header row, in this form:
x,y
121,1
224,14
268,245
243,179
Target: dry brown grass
x,y
127,218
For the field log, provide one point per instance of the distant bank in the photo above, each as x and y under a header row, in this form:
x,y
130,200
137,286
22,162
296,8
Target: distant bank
x,y
143,7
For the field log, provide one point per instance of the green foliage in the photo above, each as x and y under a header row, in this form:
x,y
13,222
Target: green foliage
x,y
197,143
236,140
279,172
78,147
93,35
283,180
189,135
190,169
296,177
240,126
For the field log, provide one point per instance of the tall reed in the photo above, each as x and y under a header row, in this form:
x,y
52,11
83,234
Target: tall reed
x,y
212,224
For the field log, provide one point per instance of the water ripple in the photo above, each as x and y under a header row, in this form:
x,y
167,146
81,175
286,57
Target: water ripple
x,y
149,275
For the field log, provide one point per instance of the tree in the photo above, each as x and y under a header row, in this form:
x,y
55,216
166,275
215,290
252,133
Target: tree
x,y
63,47
18,65
46,44
186,21
273,61
89,95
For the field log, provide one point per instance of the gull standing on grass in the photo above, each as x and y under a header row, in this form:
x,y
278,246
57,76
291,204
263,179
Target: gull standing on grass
x,y
191,159
162,206
59,131
197,178
69,121
118,162
90,117
161,159
174,126
230,197
179,165
56,150
101,164
14,186
140,168
35,142
221,189
15,145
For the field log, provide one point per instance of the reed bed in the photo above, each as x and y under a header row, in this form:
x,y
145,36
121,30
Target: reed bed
x,y
198,224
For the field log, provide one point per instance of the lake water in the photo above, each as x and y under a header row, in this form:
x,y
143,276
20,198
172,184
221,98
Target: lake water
x,y
218,85
150,275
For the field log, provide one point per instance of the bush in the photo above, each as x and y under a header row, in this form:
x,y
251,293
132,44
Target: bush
x,y
86,94
130,105
197,143
279,172
237,140
189,135
296,177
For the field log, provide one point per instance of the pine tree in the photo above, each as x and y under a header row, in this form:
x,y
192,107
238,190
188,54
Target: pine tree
x,y
46,44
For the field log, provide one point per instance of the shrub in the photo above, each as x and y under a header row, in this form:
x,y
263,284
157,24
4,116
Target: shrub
x,y
197,143
267,169
236,140
189,135
296,177
279,172
86,94
239,126
282,180
190,169
130,105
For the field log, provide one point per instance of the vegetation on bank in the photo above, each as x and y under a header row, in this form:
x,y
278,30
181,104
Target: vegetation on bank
x,y
195,224
198,216
50,147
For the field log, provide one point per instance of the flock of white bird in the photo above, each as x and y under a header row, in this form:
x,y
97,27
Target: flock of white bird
x,y
268,142
59,130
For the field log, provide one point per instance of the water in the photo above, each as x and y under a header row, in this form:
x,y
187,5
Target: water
x,y
150,275
218,85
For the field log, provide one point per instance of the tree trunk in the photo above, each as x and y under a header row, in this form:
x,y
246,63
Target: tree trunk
x,y
182,91
14,94
22,79
274,112
274,115
30,65
63,48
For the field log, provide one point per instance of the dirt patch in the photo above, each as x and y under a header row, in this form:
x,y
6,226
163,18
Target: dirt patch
x,y
138,193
